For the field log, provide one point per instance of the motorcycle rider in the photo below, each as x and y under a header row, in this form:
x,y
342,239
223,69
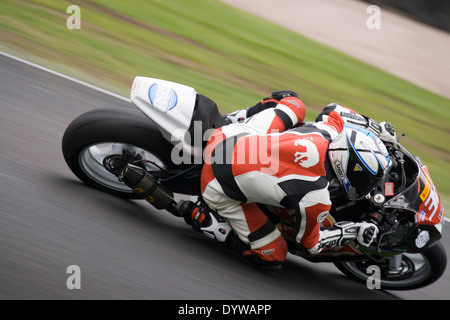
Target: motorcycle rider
x,y
266,157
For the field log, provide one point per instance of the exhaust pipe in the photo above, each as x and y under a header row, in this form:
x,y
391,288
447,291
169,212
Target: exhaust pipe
x,y
146,186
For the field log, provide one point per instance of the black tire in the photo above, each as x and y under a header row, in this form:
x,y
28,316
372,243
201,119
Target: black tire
x,y
112,125
435,259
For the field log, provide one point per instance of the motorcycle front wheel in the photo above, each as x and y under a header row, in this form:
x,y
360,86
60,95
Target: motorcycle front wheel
x,y
411,271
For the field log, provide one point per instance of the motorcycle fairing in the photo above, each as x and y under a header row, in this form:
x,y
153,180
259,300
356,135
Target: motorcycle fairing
x,y
421,198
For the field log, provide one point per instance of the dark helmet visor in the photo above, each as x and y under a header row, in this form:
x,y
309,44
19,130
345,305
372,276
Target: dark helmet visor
x,y
360,178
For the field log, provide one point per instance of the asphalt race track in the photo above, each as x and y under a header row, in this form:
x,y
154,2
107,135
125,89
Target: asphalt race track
x,y
124,249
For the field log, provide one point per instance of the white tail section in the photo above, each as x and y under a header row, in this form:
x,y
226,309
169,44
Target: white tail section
x,y
170,105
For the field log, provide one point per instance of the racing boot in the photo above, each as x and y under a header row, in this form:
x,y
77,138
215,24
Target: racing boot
x,y
217,228
206,221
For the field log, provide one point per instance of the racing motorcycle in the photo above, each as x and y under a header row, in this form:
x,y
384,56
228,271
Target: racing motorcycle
x,y
152,149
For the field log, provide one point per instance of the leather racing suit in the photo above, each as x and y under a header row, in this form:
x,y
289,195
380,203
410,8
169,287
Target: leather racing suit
x,y
268,159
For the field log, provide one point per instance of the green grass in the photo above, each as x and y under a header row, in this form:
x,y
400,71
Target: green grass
x,y
232,57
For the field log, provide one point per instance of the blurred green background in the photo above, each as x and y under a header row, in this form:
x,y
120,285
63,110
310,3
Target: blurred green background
x,y
228,55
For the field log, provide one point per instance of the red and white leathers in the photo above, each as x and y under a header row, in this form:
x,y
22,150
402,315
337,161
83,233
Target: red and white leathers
x,y
263,160
384,130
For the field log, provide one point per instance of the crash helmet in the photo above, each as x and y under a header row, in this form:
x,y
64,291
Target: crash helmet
x,y
359,159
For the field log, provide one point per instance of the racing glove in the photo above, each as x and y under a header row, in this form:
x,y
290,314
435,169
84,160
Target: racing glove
x,y
367,233
343,233
387,133
384,130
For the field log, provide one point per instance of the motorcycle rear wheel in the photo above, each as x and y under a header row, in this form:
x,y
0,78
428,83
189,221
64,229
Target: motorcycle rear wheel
x,y
416,270
95,134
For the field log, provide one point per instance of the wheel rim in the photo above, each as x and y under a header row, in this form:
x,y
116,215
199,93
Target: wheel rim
x,y
91,158
413,269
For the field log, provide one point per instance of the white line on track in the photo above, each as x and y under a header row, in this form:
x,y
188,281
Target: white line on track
x,y
81,82
65,76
